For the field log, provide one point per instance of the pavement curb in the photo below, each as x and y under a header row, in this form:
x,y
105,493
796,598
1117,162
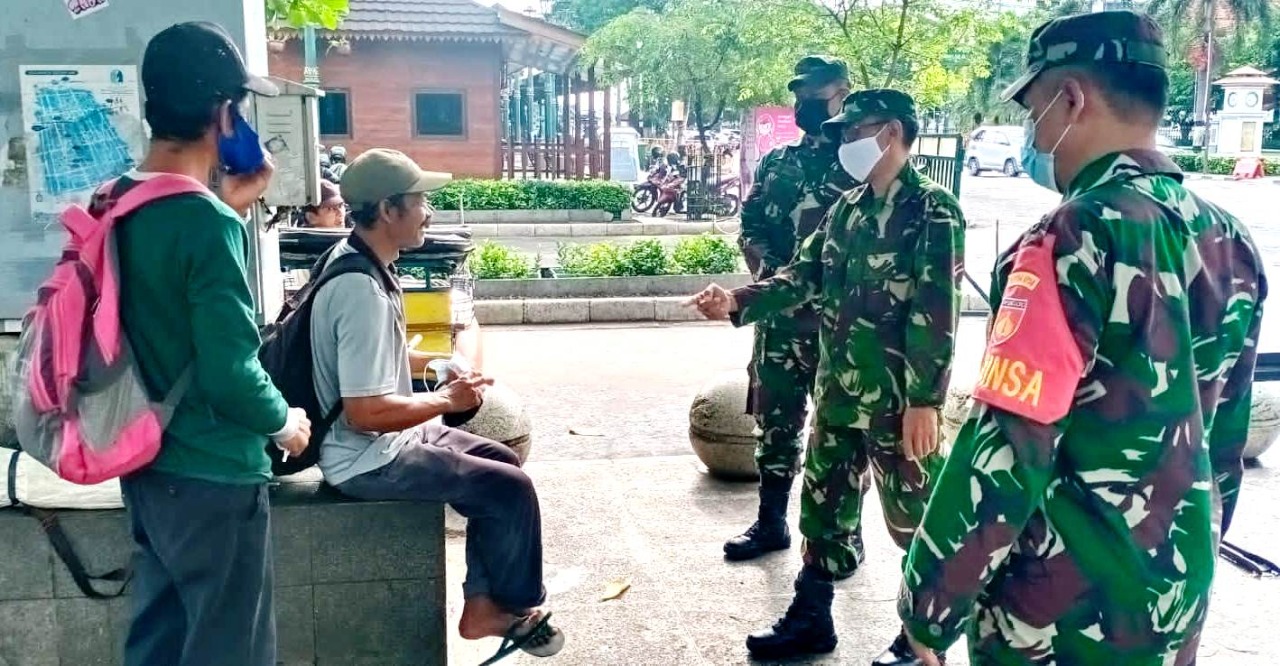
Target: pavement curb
x,y
528,311
1196,176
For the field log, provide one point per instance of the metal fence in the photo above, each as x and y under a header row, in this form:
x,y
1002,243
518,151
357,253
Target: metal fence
x,y
941,158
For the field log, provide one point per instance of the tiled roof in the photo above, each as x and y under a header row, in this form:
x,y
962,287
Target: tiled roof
x,y
437,18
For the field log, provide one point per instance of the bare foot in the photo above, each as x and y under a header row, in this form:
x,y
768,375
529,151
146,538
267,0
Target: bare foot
x,y
482,618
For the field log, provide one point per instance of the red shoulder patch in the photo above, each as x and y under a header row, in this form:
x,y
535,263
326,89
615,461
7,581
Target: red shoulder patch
x,y
1032,365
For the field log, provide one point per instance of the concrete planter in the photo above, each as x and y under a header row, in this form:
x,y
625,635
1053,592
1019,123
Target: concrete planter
x,y
503,418
1264,420
722,434
605,287
8,436
525,216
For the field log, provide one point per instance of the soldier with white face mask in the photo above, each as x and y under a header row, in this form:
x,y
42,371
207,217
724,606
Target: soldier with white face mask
x,y
883,269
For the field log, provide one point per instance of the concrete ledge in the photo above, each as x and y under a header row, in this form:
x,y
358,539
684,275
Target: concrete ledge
x,y
356,582
612,309
648,227
605,287
562,311
505,217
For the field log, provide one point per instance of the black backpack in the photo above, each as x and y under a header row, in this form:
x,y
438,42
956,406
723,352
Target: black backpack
x,y
286,353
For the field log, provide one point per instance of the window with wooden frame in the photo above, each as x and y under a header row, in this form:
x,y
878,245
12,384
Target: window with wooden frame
x,y
335,113
440,114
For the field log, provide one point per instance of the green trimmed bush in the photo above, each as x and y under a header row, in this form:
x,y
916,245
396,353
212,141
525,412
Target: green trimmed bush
x,y
491,261
1218,166
644,257
597,260
704,255
533,195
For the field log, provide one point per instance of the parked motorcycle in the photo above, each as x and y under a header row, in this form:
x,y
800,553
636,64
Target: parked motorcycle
x,y
726,197
646,194
671,195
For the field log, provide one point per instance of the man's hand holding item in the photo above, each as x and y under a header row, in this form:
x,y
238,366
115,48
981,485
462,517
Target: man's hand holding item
x,y
714,302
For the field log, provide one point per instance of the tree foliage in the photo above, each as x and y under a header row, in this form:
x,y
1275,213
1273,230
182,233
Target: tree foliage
x,y
716,55
588,16
302,13
931,48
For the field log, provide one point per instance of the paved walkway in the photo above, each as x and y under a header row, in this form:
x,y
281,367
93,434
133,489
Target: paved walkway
x,y
634,504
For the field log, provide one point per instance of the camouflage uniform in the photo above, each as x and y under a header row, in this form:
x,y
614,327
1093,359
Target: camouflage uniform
x,y
795,186
884,274
1087,535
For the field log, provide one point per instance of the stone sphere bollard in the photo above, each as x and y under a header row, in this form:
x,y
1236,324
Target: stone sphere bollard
x,y
722,434
503,418
1264,420
955,411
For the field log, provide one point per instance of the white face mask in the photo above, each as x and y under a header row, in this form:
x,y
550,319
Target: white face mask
x,y
860,157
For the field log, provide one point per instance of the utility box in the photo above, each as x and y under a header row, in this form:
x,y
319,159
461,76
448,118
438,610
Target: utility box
x,y
103,43
289,127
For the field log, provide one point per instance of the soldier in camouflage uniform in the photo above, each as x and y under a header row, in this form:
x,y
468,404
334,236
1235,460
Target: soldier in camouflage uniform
x,y
883,269
795,186
1079,515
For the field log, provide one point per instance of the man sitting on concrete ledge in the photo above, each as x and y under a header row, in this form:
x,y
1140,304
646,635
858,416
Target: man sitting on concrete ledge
x,y
390,444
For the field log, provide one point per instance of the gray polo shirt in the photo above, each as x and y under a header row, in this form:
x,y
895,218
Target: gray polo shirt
x,y
359,351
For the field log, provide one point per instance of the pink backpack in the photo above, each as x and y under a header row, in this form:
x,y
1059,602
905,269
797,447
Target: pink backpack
x,y
80,406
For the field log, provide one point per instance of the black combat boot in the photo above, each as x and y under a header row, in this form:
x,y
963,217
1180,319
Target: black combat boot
x,y
769,532
901,654
806,628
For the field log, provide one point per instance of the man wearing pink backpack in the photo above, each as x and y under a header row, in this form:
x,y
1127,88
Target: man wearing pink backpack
x,y
202,582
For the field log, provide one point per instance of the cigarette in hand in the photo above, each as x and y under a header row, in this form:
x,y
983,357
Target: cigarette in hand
x,y
284,455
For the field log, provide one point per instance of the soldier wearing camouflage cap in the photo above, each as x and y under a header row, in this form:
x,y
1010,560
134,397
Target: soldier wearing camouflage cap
x,y
883,269
794,187
1075,522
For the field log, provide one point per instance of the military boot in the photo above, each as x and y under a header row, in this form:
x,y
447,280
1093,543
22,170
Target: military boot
x,y
806,628
901,654
769,532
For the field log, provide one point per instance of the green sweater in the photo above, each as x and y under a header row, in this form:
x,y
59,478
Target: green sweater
x,y
184,299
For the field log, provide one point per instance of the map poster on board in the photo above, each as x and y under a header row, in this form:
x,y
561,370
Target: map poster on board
x,y
82,126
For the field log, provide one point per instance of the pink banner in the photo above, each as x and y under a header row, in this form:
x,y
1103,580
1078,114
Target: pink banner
x,y
766,128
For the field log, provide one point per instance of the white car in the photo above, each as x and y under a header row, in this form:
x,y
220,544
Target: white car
x,y
996,148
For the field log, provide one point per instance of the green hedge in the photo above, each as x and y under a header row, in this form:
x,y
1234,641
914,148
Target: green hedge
x,y
491,261
533,195
1218,166
699,255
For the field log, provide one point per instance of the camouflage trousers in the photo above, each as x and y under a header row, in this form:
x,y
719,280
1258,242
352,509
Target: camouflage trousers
x,y
838,469
783,364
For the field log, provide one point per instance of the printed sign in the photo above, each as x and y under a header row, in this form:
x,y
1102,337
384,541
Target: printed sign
x,y
766,128
83,8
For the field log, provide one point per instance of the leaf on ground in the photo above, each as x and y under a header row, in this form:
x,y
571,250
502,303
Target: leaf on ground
x,y
586,432
615,589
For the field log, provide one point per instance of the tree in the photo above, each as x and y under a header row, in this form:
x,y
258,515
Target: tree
x,y
588,16
929,48
302,13
716,55
1205,19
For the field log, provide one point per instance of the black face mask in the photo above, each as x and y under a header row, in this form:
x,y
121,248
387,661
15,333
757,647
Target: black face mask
x,y
810,114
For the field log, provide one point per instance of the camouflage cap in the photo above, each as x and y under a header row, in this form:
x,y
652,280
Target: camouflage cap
x,y
818,71
1112,37
880,102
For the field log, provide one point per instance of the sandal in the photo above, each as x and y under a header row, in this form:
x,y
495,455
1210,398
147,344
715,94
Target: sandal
x,y
533,634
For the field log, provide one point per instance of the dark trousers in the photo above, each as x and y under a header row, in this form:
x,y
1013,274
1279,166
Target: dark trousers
x,y
482,480
202,579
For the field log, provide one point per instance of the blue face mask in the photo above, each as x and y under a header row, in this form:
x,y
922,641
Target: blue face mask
x,y
1037,164
240,153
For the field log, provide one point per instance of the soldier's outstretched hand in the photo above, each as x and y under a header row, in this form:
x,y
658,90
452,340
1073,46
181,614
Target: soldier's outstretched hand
x,y
714,303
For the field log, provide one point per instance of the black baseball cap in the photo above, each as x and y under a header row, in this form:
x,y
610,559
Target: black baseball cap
x,y
197,63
